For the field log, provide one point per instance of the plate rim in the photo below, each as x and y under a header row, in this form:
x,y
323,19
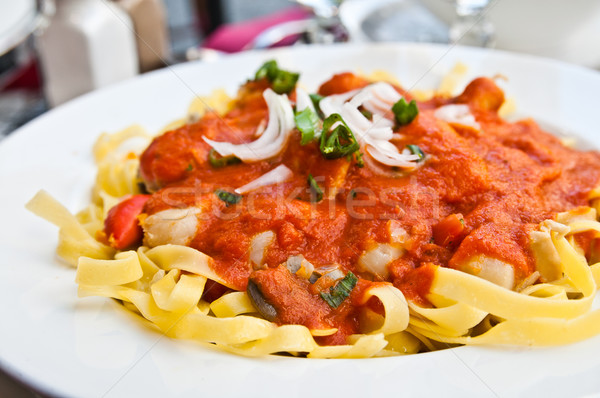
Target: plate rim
x,y
30,129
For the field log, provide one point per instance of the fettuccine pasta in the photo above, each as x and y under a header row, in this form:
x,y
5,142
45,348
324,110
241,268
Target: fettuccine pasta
x,y
355,222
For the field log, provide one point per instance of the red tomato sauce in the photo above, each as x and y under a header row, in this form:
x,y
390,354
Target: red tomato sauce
x,y
479,192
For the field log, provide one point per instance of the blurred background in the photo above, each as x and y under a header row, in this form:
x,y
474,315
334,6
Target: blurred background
x,y
54,50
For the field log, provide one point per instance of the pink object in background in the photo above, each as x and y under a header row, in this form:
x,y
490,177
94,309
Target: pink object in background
x,y
233,37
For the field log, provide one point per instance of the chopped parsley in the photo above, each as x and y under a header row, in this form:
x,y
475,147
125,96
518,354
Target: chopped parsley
x,y
405,112
268,69
282,81
316,100
340,292
415,150
359,160
337,140
307,123
316,193
228,197
217,161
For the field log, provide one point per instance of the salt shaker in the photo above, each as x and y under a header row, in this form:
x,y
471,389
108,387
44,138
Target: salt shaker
x,y
150,22
87,45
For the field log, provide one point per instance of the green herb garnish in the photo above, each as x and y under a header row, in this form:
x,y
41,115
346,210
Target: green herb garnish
x,y
316,100
218,161
359,160
367,114
189,168
405,112
268,69
316,193
307,123
285,82
228,197
415,150
338,142
340,291
281,80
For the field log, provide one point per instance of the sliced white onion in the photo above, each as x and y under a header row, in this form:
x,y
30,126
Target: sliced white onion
x,y
374,134
380,169
357,122
385,92
276,176
456,113
272,141
377,107
333,103
258,246
261,128
383,153
375,261
303,100
380,132
362,127
361,97
384,96
381,121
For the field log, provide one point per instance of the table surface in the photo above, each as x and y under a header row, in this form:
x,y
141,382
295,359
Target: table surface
x,y
9,387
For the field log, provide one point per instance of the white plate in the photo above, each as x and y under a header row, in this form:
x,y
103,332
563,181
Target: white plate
x,y
90,347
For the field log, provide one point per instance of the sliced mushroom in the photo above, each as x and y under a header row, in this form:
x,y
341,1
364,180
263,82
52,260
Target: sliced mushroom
x,y
260,303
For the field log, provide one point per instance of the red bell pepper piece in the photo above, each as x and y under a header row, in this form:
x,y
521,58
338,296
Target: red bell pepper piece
x,y
122,226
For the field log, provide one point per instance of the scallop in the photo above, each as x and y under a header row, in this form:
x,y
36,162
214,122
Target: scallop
x,y
172,226
493,270
375,260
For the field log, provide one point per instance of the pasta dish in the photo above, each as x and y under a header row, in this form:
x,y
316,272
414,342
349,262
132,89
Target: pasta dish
x,y
357,221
